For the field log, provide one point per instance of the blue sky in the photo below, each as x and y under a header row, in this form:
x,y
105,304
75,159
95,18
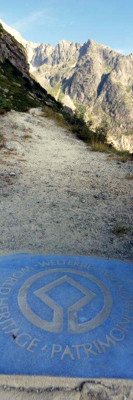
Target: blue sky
x,y
106,21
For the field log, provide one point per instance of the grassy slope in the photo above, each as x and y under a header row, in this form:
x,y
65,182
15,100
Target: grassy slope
x,y
19,93
16,91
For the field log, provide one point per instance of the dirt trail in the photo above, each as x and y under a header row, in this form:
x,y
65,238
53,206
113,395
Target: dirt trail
x,y
58,197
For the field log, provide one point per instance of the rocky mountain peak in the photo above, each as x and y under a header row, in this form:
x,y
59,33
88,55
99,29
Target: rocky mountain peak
x,y
64,43
97,79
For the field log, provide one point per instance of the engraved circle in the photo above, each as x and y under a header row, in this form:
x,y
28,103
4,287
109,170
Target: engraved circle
x,y
56,325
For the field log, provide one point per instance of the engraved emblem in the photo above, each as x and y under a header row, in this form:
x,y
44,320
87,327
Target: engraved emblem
x,y
87,297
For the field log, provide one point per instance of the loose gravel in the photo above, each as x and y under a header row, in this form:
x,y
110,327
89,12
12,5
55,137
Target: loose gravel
x,y
59,197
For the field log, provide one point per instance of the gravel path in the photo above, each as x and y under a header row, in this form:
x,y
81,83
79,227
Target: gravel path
x,y
58,197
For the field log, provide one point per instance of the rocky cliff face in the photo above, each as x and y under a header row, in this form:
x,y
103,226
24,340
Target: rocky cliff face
x,y
18,90
9,50
97,80
29,46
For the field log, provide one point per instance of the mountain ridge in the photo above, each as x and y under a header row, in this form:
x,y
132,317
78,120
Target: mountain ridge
x,y
92,78
14,32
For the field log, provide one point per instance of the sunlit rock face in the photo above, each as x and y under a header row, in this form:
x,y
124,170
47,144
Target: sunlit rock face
x,y
97,79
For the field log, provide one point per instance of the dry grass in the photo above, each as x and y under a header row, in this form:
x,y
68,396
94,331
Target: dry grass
x,y
121,156
58,118
124,156
21,159
27,137
101,147
2,140
9,153
129,177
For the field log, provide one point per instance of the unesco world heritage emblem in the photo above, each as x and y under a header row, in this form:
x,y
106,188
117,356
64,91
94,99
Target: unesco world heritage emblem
x,y
66,316
88,296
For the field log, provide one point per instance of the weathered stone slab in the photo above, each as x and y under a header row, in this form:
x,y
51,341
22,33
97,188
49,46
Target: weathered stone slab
x,y
66,316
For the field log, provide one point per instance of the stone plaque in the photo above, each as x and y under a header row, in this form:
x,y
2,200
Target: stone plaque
x,y
66,316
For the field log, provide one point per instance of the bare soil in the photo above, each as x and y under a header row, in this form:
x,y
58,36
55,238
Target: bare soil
x,y
59,197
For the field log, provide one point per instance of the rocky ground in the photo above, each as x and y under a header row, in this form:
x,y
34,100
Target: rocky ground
x,y
59,197
86,391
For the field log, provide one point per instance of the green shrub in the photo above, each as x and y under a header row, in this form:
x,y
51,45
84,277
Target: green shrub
x,y
120,229
101,133
101,147
5,104
2,111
